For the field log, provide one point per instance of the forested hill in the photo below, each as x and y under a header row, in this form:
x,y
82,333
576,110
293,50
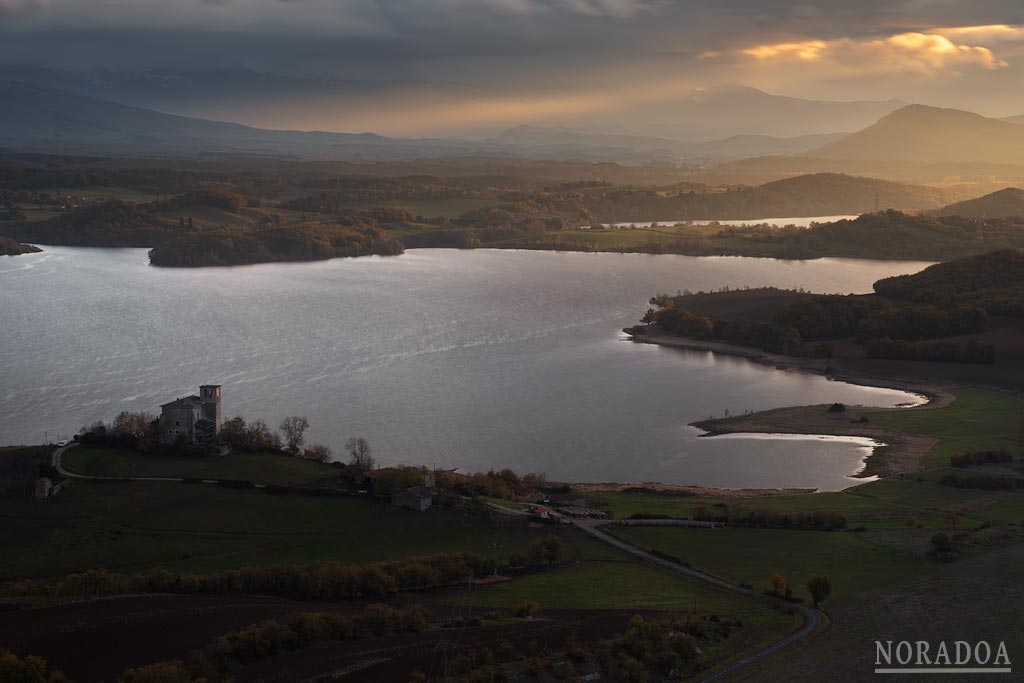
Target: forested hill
x,y
994,281
1001,204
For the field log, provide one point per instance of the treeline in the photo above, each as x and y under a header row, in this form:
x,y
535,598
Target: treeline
x,y
115,223
273,637
972,458
319,581
993,281
985,482
893,234
770,519
886,330
970,351
11,247
234,246
146,180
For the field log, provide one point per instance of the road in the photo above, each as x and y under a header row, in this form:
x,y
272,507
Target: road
x,y
813,618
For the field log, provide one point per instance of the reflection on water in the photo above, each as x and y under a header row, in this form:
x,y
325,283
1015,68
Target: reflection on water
x,y
469,359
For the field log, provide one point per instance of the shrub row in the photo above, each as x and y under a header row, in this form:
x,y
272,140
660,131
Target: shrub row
x,y
971,351
772,519
980,458
319,581
269,638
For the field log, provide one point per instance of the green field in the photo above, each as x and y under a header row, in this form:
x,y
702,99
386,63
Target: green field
x,y
976,420
597,576
133,526
752,555
259,468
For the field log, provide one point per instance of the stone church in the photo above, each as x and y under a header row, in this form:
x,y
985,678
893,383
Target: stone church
x,y
197,418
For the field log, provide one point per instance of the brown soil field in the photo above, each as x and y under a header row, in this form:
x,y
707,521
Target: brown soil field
x,y
96,641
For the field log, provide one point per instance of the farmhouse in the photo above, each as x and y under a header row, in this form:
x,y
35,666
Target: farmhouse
x,y
194,418
416,498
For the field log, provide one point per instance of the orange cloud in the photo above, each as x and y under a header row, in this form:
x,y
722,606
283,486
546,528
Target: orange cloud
x,y
924,53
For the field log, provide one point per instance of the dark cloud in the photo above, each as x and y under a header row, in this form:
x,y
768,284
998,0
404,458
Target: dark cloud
x,y
502,48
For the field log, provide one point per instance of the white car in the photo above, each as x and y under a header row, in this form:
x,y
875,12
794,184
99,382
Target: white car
x,y
62,444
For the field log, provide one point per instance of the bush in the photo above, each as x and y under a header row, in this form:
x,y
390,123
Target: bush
x,y
527,608
980,458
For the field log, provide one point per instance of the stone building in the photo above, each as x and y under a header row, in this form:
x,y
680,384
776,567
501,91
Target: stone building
x,y
196,418
416,498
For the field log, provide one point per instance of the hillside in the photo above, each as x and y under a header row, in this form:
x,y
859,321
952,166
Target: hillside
x,y
929,134
1001,204
37,118
857,193
994,281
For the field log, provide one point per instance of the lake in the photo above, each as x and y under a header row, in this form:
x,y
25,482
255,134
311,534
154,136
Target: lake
x,y
468,359
799,221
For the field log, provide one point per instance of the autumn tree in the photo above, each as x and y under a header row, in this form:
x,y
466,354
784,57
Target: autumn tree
x,y
820,587
319,452
294,430
359,453
135,425
779,584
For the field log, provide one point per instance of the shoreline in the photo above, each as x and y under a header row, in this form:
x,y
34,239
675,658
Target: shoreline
x,y
900,452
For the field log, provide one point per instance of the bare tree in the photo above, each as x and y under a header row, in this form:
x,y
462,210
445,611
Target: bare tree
x,y
294,429
261,438
359,453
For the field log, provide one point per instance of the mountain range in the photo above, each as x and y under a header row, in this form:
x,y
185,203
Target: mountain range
x,y
268,100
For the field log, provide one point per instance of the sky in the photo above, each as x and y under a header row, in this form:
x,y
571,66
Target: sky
x,y
458,62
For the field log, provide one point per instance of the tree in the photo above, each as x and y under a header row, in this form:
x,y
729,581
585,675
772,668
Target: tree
x,y
820,587
294,430
527,608
235,433
953,520
359,453
261,438
135,425
29,669
779,584
318,452
942,543
161,672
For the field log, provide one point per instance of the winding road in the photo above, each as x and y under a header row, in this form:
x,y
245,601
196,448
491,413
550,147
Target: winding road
x,y
813,618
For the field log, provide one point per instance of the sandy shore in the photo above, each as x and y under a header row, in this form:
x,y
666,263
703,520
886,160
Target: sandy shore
x,y
902,451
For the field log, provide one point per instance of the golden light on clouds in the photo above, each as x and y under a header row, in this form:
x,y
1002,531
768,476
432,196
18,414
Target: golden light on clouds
x,y
809,50
926,53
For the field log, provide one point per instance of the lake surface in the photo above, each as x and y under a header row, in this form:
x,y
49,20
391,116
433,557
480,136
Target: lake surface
x,y
800,222
468,359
